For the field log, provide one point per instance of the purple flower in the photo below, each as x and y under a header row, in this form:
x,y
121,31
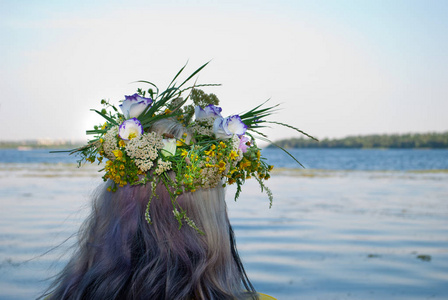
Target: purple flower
x,y
225,128
134,105
210,111
243,140
130,129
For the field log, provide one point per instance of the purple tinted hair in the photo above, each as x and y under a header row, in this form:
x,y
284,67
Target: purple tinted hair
x,y
120,256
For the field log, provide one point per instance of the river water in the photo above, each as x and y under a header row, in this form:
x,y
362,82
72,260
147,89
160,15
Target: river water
x,y
355,224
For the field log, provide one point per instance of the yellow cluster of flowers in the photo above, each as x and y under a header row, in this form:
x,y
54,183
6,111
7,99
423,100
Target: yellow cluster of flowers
x,y
217,162
121,170
250,166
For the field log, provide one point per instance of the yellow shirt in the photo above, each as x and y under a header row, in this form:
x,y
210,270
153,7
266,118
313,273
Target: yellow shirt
x,y
266,297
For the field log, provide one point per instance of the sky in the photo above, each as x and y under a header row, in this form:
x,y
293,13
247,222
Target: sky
x,y
338,68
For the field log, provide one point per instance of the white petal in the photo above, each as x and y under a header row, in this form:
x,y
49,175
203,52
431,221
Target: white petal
x,y
235,125
136,109
125,106
199,113
170,147
130,127
219,129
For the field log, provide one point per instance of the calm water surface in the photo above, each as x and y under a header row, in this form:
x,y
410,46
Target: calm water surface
x,y
361,159
325,159
344,229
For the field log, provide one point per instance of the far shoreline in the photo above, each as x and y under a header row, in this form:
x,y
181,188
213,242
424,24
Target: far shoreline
x,y
430,140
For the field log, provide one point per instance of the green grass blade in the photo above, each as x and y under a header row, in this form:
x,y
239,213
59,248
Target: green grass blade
x,y
105,117
177,75
292,127
292,156
194,73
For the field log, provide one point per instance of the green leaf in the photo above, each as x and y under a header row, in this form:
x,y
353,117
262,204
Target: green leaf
x,y
96,131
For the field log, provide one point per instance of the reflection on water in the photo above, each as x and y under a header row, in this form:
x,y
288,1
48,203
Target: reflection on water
x,y
329,234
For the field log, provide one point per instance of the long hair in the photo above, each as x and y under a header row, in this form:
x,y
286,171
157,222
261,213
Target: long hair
x,y
120,256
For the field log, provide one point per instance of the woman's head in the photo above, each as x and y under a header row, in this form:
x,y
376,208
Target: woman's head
x,y
122,256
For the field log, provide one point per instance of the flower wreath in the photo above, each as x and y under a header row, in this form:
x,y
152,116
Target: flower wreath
x,y
223,151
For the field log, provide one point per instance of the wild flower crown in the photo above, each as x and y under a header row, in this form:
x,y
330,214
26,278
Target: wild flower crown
x,y
222,150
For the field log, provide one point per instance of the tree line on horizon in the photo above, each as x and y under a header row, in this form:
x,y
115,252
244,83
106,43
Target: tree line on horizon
x,y
400,141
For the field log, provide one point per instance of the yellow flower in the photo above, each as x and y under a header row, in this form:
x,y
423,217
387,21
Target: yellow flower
x,y
180,143
167,111
222,145
117,153
233,155
244,164
122,144
221,165
213,147
210,153
258,154
101,140
104,126
270,168
184,153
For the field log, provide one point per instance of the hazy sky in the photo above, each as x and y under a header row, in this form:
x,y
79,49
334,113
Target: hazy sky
x,y
339,67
